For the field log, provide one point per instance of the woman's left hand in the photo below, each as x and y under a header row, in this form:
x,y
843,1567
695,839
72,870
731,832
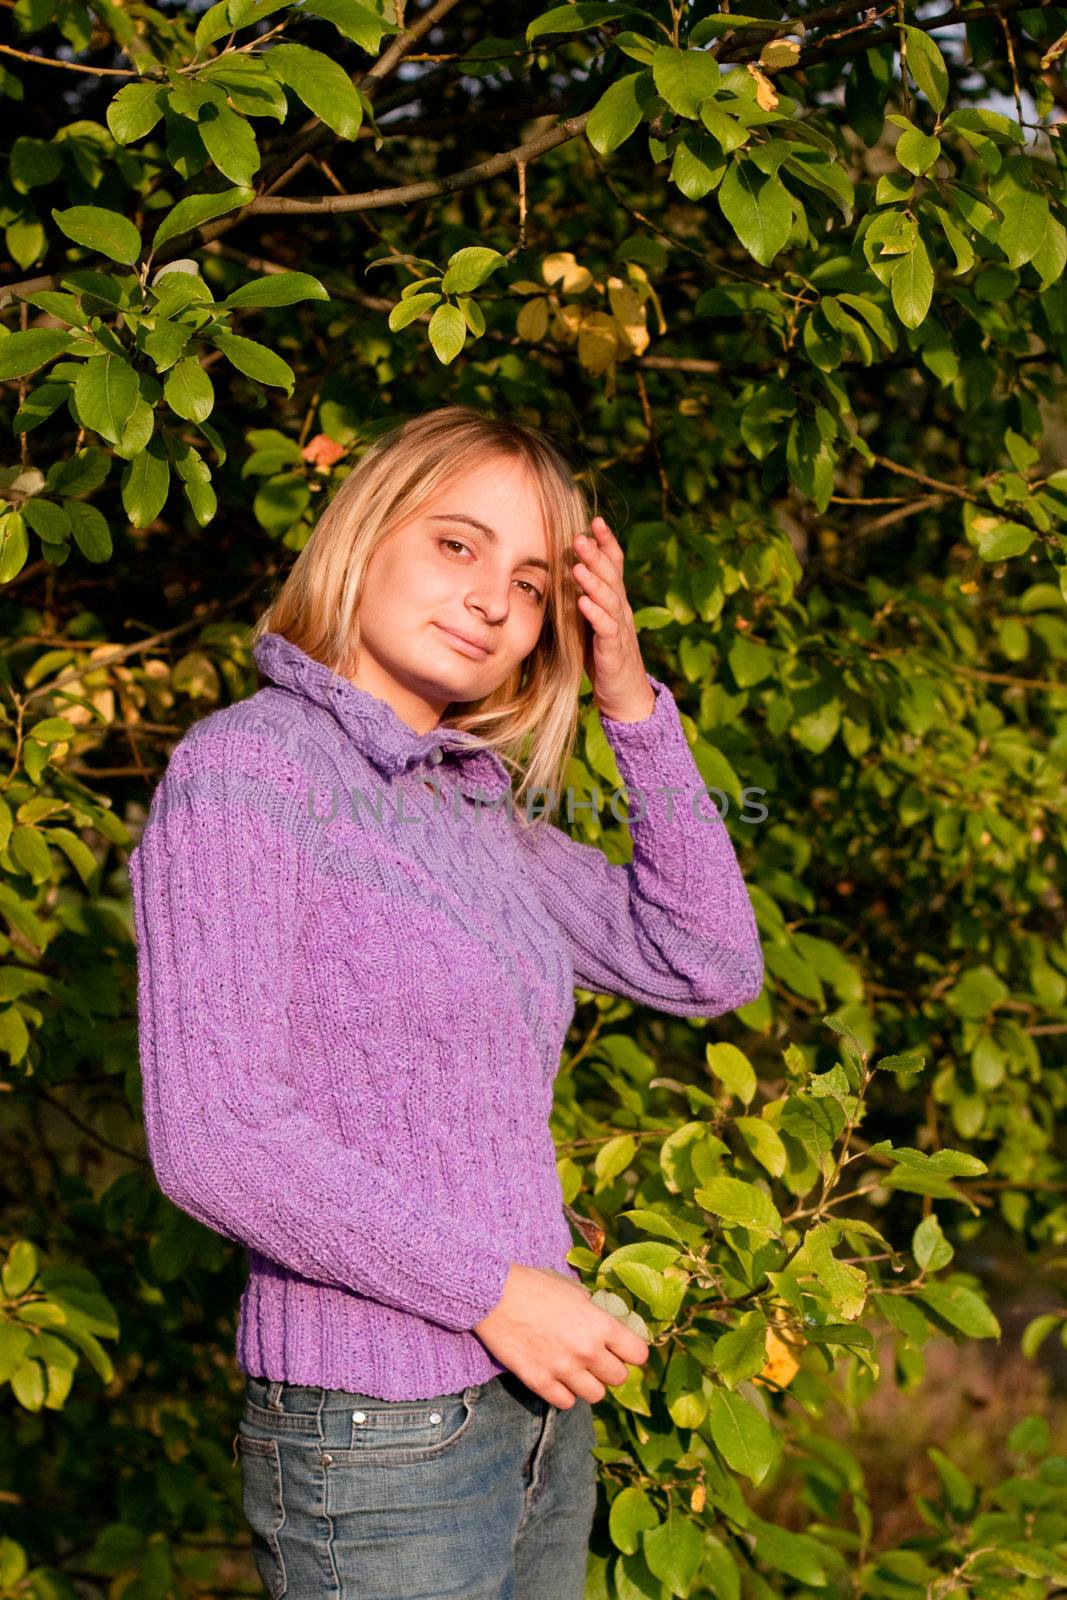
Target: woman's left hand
x,y
612,653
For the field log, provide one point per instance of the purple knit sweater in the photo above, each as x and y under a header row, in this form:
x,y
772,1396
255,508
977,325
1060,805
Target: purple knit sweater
x,y
353,993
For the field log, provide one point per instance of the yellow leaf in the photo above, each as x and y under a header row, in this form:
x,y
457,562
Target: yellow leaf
x,y
532,321
778,54
566,322
562,268
766,94
629,314
598,341
782,1365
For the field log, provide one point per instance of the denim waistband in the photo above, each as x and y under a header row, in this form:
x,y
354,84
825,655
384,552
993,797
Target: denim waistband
x,y
281,1398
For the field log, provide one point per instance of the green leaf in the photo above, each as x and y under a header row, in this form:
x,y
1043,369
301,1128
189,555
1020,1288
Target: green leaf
x,y
104,395
214,24
929,1246
255,360
698,164
91,532
757,208
927,66
957,240
108,232
357,22
744,1438
723,21
409,310
733,1069
34,162
740,1204
19,1269
798,1554
135,110
912,285
684,77
188,390
447,332
14,545
281,502
230,141
48,521
1025,223
673,1552
247,85
80,473
727,131
196,475
28,1385
613,1157
65,306
572,19
961,1307
198,208
917,151
631,1513
742,1352
39,404
662,1295
21,353
323,86
750,661
31,852
145,485
1004,540
279,289
243,13
845,1285
140,425
469,268
765,1143
826,176
618,111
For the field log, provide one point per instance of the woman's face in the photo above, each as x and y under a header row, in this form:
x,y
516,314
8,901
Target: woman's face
x,y
473,560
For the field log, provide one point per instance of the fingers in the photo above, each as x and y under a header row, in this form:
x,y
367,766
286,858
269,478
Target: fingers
x,y
626,1345
607,541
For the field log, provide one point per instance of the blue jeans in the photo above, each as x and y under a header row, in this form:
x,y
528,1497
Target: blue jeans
x,y
485,1494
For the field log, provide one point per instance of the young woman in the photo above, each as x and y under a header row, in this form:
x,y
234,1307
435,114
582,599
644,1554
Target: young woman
x,y
357,950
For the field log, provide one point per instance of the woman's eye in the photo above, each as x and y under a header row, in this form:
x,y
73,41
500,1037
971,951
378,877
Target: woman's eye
x,y
535,592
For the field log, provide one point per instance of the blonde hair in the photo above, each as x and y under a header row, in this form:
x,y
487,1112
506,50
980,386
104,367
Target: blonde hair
x,y
529,720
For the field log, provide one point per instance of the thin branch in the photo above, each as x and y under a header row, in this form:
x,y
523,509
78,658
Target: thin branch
x,y
314,132
407,194
67,66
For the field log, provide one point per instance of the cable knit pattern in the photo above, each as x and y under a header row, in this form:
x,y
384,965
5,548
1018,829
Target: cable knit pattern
x,y
353,993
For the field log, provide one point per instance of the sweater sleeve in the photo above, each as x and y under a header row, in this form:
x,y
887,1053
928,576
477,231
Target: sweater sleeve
x,y
220,879
674,928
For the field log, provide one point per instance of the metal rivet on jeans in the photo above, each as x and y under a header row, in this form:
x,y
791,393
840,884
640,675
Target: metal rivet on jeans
x,y
327,1460
435,1416
359,1416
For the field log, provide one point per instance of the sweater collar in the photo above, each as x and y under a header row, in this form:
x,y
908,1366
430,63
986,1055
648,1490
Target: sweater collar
x,y
380,733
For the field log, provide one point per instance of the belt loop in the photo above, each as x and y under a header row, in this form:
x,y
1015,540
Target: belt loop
x,y
274,1395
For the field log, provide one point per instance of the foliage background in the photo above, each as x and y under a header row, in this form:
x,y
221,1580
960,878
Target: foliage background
x,y
789,283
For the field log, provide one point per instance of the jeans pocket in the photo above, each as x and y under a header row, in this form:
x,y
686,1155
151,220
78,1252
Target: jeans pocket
x,y
264,1508
403,1432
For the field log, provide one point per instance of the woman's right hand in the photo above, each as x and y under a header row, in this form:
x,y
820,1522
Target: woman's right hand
x,y
546,1329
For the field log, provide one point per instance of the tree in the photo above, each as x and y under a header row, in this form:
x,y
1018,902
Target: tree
x,y
791,282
